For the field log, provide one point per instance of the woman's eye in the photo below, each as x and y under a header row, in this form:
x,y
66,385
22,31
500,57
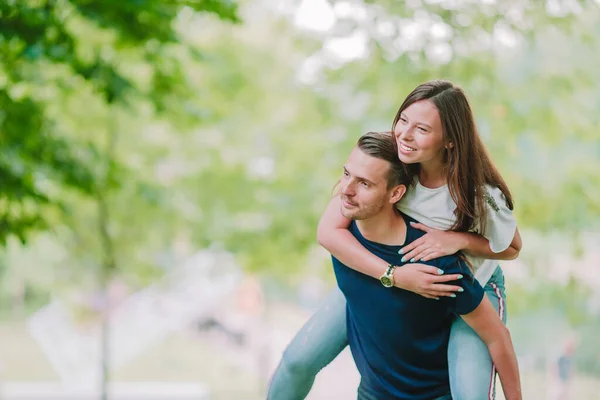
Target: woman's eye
x,y
422,129
403,119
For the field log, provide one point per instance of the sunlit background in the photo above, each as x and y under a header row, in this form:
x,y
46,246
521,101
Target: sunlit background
x,y
164,165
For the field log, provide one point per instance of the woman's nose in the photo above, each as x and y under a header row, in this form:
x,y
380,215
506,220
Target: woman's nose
x,y
405,133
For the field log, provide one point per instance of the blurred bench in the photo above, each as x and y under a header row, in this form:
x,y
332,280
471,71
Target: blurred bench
x,y
117,391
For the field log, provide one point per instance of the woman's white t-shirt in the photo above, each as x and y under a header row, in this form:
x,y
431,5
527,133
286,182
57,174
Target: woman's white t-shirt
x,y
435,208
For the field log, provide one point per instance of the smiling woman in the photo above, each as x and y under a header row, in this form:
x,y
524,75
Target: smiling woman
x,y
420,136
436,134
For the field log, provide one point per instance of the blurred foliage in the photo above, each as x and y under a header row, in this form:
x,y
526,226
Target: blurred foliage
x,y
73,76
56,56
525,66
195,129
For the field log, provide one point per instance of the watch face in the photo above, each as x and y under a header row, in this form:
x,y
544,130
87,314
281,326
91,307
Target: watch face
x,y
386,281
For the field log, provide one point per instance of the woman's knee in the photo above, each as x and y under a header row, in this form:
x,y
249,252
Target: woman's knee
x,y
497,297
297,363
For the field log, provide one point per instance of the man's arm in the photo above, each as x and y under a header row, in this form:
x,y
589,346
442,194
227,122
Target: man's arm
x,y
485,321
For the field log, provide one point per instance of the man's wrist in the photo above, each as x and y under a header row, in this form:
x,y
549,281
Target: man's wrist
x,y
387,279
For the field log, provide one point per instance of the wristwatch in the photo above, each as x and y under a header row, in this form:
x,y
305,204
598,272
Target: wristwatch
x,y
387,279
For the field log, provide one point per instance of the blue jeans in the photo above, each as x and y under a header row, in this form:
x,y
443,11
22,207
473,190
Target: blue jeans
x,y
472,373
323,337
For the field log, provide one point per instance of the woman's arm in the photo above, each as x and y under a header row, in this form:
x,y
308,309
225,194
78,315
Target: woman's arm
x,y
485,321
436,243
333,234
478,246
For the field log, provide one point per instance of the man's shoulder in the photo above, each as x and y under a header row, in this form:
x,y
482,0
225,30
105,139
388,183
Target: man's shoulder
x,y
450,263
453,263
373,245
412,234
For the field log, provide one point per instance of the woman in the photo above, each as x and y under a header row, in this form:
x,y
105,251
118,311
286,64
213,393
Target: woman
x,y
466,206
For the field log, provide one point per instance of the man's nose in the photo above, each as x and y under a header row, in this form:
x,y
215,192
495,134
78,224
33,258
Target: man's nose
x,y
347,189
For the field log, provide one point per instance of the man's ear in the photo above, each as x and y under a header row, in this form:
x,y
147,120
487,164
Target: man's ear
x,y
397,193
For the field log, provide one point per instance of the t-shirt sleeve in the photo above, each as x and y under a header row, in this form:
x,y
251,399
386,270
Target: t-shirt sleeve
x,y
468,300
500,224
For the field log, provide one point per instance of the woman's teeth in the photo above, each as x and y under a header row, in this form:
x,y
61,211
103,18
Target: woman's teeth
x,y
406,148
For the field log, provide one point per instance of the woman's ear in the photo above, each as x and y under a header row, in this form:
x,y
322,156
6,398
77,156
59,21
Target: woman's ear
x,y
397,193
449,145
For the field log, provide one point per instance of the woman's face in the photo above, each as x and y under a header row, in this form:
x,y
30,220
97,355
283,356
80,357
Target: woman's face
x,y
419,134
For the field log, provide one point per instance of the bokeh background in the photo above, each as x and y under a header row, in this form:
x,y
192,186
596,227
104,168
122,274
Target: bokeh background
x,y
164,164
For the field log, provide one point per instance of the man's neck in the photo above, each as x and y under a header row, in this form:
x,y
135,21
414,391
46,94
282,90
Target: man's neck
x,y
387,227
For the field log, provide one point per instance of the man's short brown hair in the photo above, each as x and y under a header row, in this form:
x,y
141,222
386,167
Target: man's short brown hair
x,y
382,145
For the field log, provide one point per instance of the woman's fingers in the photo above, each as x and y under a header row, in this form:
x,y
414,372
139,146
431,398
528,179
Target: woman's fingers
x,y
420,226
434,294
440,288
429,269
438,274
411,246
413,255
440,293
428,255
446,278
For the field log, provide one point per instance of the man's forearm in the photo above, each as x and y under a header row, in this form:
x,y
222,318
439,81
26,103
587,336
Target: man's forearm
x,y
505,361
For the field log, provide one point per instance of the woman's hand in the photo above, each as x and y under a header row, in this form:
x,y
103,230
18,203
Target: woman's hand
x,y
435,243
426,281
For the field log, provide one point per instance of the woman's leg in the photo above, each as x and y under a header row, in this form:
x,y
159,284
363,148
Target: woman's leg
x,y
472,373
317,343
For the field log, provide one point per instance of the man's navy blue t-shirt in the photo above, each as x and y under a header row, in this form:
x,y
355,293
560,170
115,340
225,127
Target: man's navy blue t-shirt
x,y
399,339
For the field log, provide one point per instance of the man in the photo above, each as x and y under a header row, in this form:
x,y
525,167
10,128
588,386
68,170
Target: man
x,y
399,339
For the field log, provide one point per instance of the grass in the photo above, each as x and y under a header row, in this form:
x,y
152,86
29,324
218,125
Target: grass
x,y
184,358
180,358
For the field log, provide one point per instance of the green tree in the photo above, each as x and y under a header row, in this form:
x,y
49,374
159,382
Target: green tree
x,y
70,73
50,52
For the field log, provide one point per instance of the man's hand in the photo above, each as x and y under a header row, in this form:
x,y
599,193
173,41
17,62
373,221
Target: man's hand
x,y
435,243
426,281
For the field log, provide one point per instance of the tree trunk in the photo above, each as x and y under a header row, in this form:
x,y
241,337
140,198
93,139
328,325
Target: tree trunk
x,y
109,264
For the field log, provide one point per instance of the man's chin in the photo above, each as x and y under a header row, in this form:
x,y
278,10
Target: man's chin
x,y
348,214
355,216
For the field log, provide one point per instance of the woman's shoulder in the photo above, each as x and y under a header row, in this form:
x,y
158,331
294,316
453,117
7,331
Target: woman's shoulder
x,y
500,222
494,198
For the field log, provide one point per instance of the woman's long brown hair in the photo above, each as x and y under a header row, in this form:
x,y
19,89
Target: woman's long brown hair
x,y
468,165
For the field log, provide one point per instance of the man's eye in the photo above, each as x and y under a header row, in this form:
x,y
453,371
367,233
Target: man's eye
x,y
346,173
365,184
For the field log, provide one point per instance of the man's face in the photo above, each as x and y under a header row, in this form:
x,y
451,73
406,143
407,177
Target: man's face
x,y
363,188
